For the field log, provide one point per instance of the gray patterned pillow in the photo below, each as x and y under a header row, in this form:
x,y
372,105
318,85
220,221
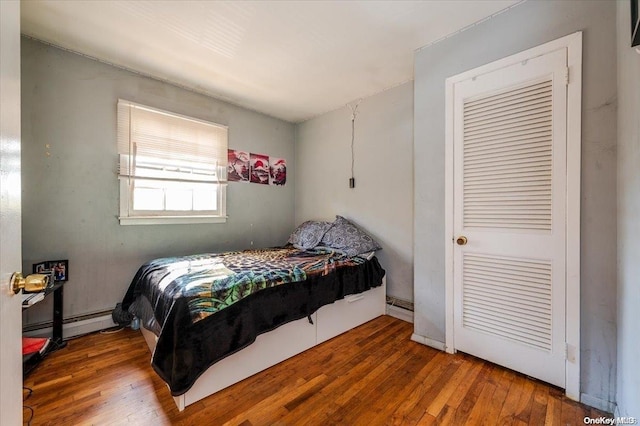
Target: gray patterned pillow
x,y
344,235
309,234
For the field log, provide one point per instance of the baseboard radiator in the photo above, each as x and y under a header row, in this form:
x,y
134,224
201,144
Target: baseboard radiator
x,y
399,308
400,303
73,326
102,320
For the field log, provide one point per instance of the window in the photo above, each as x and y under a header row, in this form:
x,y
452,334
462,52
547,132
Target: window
x,y
172,169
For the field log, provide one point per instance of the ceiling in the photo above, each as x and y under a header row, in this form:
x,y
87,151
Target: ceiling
x,y
289,59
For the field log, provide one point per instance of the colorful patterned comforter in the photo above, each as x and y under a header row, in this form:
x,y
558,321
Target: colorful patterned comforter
x,y
211,305
215,281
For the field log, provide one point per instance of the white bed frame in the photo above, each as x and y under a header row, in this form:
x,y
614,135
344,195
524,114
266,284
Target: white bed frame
x,y
284,342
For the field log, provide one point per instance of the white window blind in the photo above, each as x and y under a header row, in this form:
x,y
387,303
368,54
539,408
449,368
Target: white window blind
x,y
171,167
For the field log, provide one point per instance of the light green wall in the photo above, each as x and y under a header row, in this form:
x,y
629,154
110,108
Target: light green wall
x,y
382,201
70,197
628,385
522,27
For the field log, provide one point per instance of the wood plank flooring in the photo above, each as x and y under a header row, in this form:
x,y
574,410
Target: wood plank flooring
x,y
372,375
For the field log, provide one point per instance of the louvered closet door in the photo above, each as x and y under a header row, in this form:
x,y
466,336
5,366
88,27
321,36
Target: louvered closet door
x,y
509,202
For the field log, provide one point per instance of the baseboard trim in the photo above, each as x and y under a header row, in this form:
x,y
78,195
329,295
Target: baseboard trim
x,y
400,313
76,328
428,342
600,404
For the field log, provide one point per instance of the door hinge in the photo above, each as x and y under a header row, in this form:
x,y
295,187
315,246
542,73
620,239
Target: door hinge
x,y
566,76
569,352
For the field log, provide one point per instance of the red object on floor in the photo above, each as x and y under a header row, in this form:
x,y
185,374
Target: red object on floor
x,y
33,344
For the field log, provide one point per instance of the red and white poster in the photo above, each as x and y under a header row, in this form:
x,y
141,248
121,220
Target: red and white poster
x,y
259,169
238,166
277,171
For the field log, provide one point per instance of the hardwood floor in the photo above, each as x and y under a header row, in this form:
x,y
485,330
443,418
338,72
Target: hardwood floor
x,y
372,375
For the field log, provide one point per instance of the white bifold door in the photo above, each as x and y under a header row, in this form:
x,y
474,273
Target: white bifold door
x,y
509,215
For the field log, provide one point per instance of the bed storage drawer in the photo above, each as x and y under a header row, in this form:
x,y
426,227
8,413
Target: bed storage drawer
x,y
350,312
268,349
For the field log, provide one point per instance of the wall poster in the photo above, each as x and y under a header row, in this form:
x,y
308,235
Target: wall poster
x,y
259,168
237,166
277,171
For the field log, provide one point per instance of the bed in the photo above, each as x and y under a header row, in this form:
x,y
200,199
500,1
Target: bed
x,y
211,320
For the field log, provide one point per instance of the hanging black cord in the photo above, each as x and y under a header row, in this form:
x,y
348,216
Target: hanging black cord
x,y
353,132
354,112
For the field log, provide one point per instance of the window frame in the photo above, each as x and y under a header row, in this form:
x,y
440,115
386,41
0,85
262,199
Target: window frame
x,y
129,216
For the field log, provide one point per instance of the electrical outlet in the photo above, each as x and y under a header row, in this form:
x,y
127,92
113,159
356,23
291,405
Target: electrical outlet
x,y
352,183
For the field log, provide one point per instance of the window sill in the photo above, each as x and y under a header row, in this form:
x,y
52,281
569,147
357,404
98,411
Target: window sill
x,y
170,220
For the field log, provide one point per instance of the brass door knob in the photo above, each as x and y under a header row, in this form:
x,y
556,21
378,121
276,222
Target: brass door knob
x,y
32,283
461,240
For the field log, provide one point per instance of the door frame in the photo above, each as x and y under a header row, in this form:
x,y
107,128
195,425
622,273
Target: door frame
x,y
573,44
